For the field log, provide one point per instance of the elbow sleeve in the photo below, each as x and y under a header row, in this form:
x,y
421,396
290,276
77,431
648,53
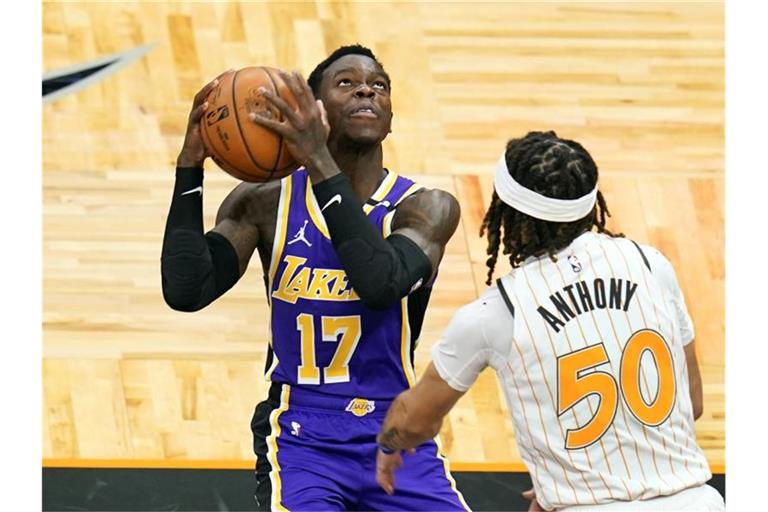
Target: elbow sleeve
x,y
380,270
197,269
383,275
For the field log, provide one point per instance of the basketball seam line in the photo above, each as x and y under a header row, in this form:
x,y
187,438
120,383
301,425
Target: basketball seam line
x,y
237,121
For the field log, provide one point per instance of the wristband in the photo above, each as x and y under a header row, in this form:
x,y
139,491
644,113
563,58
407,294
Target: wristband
x,y
387,451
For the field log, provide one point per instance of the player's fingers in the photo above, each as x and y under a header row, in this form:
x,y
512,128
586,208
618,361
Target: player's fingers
x,y
294,82
323,115
530,494
304,85
202,94
197,113
323,112
386,480
279,103
276,126
306,91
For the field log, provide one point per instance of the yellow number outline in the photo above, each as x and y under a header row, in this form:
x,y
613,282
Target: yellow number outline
x,y
657,412
573,386
350,329
308,372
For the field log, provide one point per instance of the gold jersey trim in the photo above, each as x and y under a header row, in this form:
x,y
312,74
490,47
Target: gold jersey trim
x,y
274,474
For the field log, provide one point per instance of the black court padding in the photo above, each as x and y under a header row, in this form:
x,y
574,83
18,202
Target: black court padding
x,y
218,489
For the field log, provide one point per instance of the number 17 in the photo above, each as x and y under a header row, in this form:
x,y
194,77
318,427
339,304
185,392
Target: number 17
x,y
332,326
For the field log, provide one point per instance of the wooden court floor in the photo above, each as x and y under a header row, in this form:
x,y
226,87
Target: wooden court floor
x,y
639,84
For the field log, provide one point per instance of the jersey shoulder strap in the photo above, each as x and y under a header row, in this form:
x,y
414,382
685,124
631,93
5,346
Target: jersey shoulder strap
x,y
642,254
505,296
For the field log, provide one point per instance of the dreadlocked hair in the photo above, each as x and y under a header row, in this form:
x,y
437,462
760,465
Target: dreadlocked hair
x,y
556,168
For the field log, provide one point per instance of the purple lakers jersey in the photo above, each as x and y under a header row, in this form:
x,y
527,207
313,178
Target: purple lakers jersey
x,y
322,335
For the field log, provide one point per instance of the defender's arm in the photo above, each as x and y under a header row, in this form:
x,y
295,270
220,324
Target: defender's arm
x,y
415,416
457,359
694,380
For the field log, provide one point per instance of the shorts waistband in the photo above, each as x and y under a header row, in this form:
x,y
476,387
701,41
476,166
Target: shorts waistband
x,y
304,398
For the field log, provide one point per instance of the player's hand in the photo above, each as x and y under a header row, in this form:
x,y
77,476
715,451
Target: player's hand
x,y
305,130
530,495
386,465
193,151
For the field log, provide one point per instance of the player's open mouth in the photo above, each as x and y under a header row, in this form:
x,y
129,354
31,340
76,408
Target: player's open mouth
x,y
364,112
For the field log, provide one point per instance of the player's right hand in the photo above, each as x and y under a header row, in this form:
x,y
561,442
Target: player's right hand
x,y
193,152
386,465
530,495
305,130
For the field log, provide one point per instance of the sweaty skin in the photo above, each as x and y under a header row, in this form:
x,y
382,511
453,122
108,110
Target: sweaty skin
x,y
325,136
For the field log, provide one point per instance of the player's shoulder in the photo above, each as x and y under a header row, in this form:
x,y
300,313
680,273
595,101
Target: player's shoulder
x,y
433,200
656,258
487,314
433,211
470,315
251,201
653,256
658,263
491,298
428,199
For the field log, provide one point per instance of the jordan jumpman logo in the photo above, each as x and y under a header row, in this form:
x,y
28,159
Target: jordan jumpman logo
x,y
300,235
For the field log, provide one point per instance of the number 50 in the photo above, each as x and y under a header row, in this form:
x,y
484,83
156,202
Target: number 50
x,y
573,386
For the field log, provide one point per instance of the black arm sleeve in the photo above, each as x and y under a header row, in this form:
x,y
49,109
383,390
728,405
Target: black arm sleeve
x,y
196,269
381,271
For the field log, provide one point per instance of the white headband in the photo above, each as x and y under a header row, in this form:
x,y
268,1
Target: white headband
x,y
537,205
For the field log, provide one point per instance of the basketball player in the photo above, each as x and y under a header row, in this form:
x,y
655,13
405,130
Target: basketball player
x,y
349,251
590,338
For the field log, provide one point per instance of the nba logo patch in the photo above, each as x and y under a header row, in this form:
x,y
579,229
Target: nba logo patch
x,y
360,407
575,263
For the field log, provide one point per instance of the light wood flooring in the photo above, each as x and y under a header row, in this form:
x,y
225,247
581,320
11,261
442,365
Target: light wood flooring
x,y
640,85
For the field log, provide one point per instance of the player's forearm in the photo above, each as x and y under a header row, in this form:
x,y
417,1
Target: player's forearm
x,y
404,428
381,271
196,268
694,380
697,399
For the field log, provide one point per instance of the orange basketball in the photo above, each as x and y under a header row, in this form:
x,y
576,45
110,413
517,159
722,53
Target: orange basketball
x,y
244,149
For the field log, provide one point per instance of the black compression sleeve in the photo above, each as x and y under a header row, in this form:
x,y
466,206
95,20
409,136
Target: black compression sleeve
x,y
380,271
196,269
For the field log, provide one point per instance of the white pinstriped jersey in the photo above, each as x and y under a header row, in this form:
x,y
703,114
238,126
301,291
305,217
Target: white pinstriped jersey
x,y
593,369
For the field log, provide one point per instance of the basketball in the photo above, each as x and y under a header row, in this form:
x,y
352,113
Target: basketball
x,y
242,148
